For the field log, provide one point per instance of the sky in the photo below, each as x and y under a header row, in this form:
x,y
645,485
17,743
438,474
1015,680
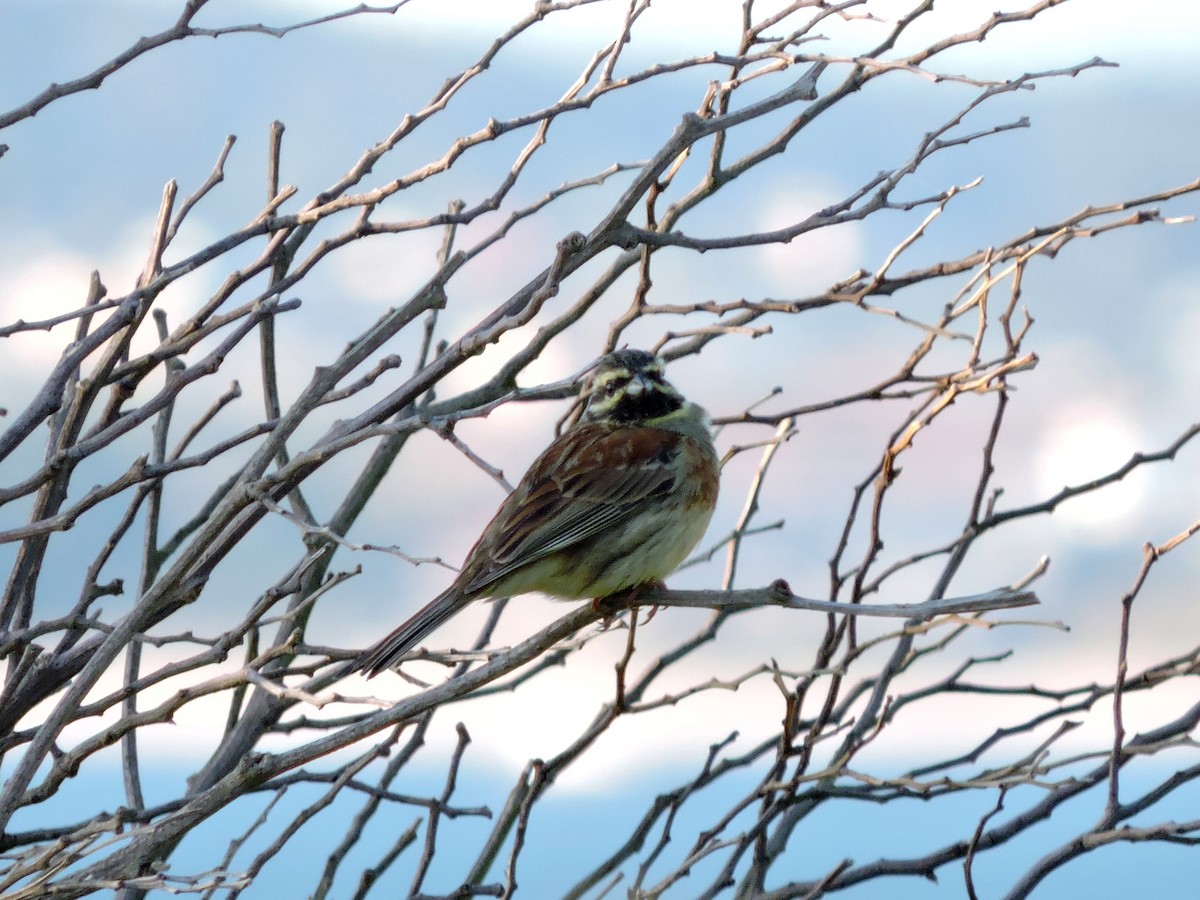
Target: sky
x,y
1118,318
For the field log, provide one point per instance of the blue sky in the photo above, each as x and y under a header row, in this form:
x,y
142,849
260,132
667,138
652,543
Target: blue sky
x,y
1117,326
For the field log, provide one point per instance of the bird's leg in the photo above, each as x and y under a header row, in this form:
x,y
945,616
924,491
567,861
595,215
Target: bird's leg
x,y
609,606
652,586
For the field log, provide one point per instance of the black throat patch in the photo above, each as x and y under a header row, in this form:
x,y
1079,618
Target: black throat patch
x,y
644,405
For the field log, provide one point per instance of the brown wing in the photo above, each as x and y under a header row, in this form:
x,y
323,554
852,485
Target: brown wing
x,y
591,479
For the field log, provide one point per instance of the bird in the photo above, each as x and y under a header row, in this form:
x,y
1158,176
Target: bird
x,y
616,502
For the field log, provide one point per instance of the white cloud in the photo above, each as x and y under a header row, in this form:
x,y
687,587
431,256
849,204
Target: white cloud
x,y
818,258
1154,25
1086,441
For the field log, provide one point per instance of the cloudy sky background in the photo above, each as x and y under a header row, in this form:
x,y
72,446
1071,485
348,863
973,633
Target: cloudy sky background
x,y
1117,331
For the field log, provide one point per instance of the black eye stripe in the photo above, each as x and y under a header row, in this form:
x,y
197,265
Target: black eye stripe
x,y
612,396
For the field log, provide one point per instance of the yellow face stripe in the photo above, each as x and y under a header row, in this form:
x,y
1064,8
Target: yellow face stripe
x,y
684,412
627,378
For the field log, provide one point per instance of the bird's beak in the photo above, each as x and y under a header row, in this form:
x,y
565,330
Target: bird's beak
x,y
639,384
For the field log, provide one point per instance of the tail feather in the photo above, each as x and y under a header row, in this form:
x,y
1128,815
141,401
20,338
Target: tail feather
x,y
388,651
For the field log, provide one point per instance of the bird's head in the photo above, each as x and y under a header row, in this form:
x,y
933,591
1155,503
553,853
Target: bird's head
x,y
628,386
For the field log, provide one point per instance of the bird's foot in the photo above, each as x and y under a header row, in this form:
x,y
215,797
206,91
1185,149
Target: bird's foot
x,y
611,605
